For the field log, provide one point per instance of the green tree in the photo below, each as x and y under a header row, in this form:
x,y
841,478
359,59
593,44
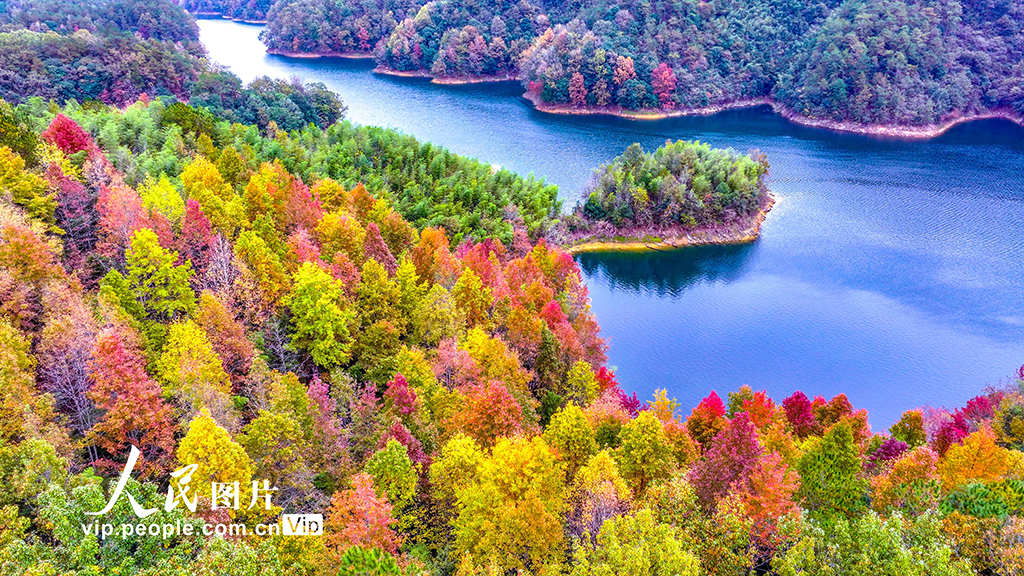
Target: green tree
x,y
636,545
570,435
321,316
869,544
645,454
831,473
157,283
394,475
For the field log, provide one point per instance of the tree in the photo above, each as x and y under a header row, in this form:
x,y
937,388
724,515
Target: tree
x,y
730,459
490,413
135,413
768,495
394,475
624,70
570,435
512,513
645,454
911,486
597,494
193,372
157,283
581,385
577,90
979,458
359,517
636,545
472,298
160,195
799,414
64,352
26,189
663,81
872,545
706,420
320,316
276,445
832,483
205,185
67,135
217,456
376,249
226,337
455,470
437,317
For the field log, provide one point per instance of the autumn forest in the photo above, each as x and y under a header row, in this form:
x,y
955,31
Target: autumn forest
x,y
233,284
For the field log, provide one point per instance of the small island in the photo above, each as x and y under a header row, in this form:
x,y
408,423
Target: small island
x,y
682,194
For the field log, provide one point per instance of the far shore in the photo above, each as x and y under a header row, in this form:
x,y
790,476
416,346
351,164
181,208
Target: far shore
x,y
351,55
743,232
894,131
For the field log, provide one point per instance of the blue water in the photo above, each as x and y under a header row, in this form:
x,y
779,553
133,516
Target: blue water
x,y
889,270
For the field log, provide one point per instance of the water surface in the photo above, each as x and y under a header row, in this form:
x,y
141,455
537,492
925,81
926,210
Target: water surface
x,y
889,270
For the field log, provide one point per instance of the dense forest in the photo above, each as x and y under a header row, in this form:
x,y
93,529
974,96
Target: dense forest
x,y
886,62
223,303
219,300
115,51
681,184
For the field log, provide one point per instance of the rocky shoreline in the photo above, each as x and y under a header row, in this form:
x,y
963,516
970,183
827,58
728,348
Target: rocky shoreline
x,y
744,231
893,131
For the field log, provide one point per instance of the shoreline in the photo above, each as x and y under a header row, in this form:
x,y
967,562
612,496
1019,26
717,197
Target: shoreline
x,y
444,80
315,55
402,73
911,132
720,235
462,80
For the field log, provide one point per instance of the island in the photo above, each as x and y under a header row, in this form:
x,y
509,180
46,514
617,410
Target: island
x,y
682,194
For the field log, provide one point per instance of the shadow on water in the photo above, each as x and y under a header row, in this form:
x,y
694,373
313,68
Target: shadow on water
x,y
667,273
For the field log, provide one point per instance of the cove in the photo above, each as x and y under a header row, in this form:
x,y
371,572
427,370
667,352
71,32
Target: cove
x,y
888,270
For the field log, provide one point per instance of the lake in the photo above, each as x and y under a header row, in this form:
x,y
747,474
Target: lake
x,y
889,270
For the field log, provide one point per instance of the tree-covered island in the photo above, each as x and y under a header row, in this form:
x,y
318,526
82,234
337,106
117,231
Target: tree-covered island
x,y
682,194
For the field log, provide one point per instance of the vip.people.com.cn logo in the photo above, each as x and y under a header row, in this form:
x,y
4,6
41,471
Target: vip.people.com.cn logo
x,y
223,495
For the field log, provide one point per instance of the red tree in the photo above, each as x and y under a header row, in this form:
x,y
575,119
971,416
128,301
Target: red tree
x,y
706,420
358,517
135,410
375,247
490,412
799,414
67,135
401,396
730,458
196,240
663,81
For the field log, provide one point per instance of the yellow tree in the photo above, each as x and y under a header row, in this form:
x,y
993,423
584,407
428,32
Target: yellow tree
x,y
979,458
193,372
512,513
218,458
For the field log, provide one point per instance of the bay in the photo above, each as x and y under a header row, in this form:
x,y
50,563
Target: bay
x,y
889,270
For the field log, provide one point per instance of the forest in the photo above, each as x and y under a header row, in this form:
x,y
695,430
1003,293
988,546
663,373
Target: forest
x,y
114,51
903,63
256,310
221,303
